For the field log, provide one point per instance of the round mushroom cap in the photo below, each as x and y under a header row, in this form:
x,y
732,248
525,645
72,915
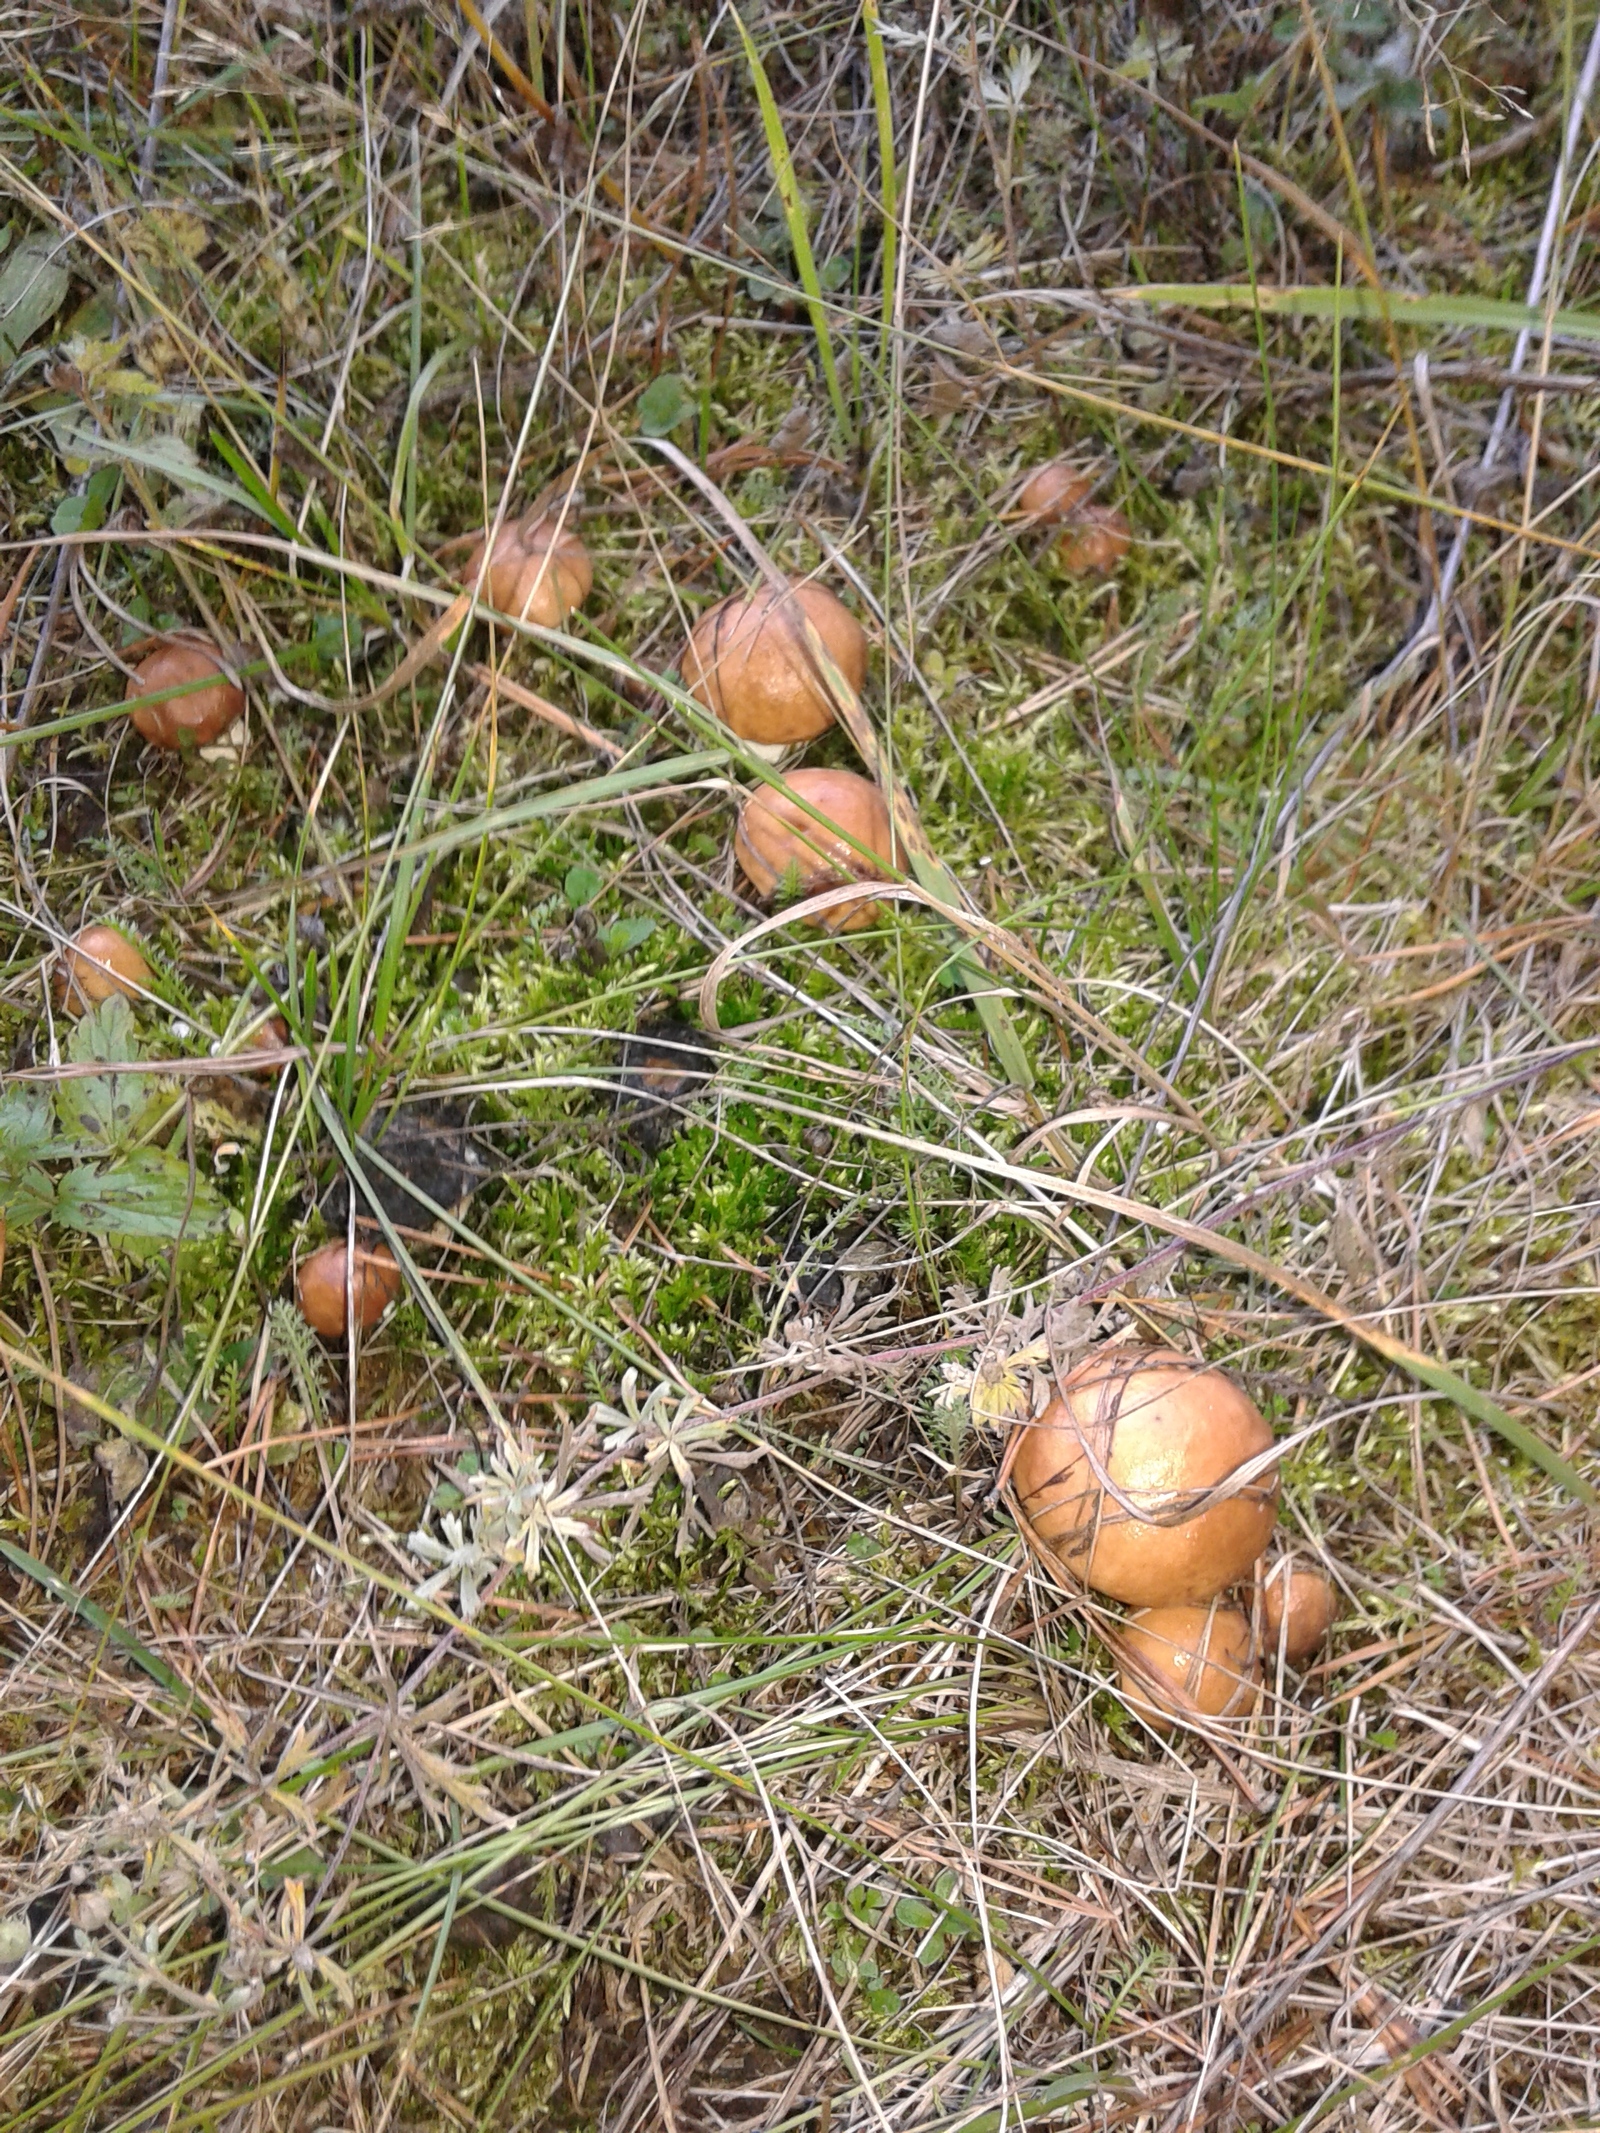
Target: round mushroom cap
x,y
1197,1659
779,845
748,662
1052,492
1297,1610
1115,1477
193,720
1095,543
538,572
321,1283
96,964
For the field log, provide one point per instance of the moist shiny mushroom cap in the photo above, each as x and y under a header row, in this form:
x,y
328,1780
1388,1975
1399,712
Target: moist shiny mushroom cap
x,y
748,662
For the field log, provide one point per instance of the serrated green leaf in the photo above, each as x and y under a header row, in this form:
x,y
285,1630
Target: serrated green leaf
x,y
106,1033
26,1196
27,1193
106,1111
25,1127
147,1195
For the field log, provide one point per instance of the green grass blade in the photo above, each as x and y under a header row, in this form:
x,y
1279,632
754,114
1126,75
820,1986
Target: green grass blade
x,y
794,214
995,1016
888,181
91,1612
254,487
405,451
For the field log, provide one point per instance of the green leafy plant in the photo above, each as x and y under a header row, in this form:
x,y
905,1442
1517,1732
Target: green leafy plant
x,y
868,1914
665,402
137,1197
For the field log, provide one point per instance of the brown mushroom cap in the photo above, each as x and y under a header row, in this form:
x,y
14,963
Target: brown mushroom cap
x,y
1297,1610
1161,1431
1053,492
194,720
777,842
1096,541
271,1036
539,571
96,963
320,1285
747,661
1195,1656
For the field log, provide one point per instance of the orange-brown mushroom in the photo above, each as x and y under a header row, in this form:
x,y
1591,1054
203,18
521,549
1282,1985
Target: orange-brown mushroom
x,y
1094,543
211,702
1130,1477
748,662
1297,1609
96,963
539,571
1053,492
782,848
1179,1660
325,1283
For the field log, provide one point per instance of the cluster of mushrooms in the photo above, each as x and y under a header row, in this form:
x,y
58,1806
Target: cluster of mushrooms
x,y
1151,1479
747,662
1148,1478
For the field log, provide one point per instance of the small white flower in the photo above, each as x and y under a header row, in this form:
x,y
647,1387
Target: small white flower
x,y
522,1509
670,1428
659,1432
459,1557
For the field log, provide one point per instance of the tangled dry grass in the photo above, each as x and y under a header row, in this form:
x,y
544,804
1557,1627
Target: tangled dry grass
x,y
613,1693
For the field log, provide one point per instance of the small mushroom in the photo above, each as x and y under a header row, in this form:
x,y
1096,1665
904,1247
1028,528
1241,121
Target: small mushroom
x,y
782,848
209,706
96,963
1128,1476
1054,492
325,1281
1179,1660
271,1036
748,662
1297,1610
539,571
1095,542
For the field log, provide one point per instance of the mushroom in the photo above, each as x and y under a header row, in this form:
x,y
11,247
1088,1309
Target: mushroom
x,y
1181,1660
1297,1609
1053,492
324,1282
269,1036
780,846
1095,543
96,963
748,662
198,717
1117,1477
539,571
